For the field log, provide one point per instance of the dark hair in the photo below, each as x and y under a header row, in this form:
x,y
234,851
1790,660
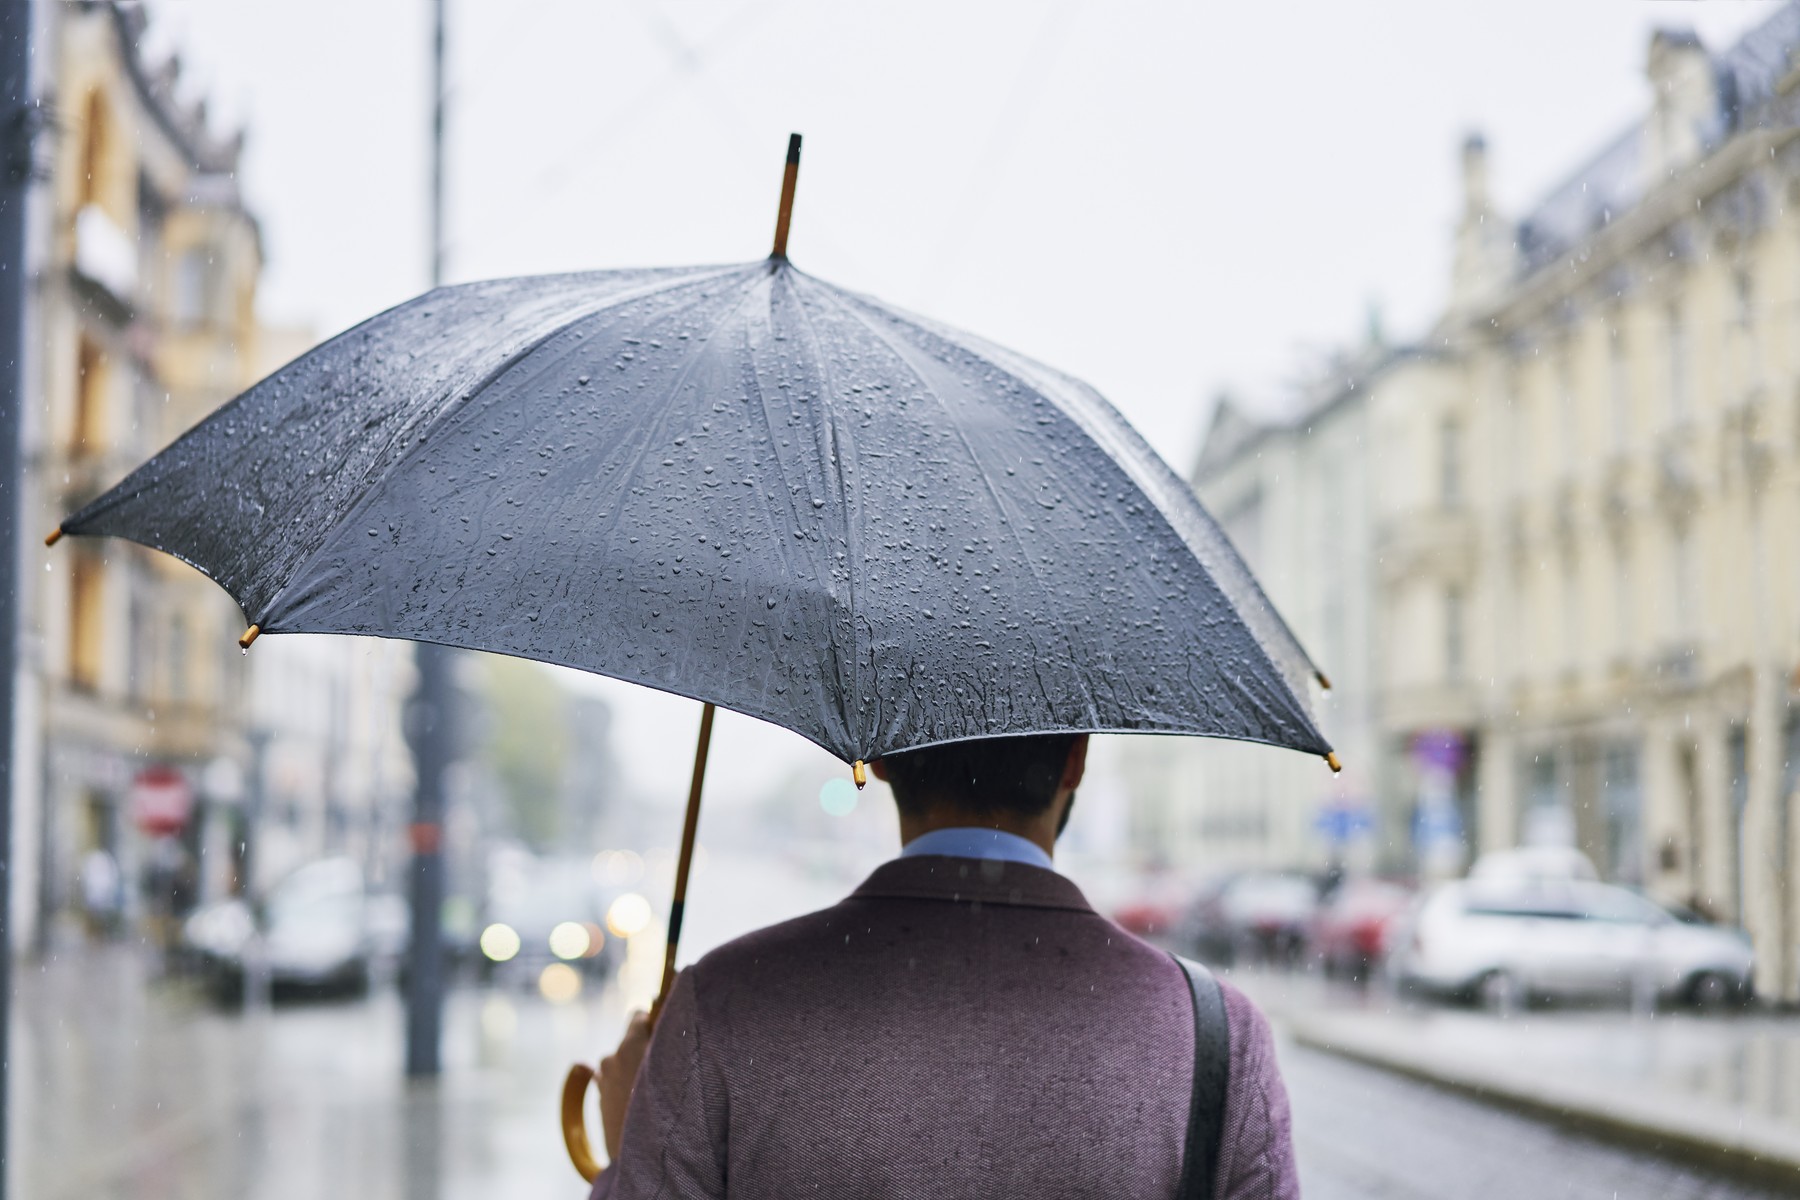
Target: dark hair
x,y
1016,775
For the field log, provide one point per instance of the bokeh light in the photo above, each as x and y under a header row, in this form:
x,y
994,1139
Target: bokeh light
x,y
628,915
838,797
559,983
569,940
499,942
618,868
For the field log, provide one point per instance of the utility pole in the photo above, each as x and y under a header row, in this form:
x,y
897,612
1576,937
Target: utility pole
x,y
430,721
17,122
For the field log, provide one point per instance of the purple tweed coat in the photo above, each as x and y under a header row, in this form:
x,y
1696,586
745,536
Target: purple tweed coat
x,y
957,1028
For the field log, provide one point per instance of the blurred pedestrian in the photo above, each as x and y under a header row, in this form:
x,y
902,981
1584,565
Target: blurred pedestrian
x,y
102,892
963,1024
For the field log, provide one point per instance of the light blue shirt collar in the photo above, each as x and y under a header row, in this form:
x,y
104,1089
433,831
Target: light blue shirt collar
x,y
975,842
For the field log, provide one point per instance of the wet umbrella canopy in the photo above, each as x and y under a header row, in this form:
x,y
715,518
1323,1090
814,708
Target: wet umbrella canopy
x,y
740,484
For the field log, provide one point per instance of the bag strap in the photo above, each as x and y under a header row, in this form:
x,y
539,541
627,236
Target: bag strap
x,y
1212,1076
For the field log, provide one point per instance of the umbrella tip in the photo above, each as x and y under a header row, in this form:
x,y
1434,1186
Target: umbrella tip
x,y
1323,681
786,212
249,635
858,769
54,536
1331,760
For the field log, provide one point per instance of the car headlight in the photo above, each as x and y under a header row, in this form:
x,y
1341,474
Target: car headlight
x,y
499,942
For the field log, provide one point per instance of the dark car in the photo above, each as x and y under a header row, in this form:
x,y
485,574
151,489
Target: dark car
x,y
320,930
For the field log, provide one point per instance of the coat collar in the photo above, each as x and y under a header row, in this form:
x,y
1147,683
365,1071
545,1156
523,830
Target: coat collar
x,y
984,881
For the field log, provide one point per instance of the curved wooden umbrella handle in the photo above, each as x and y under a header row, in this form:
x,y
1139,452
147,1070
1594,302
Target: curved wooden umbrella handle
x,y
574,1121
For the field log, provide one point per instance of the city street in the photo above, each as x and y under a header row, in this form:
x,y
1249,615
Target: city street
x,y
129,1086
1362,1133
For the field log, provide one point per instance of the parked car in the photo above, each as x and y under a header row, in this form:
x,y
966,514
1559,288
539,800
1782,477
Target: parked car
x,y
1351,929
1505,942
1255,915
1155,910
320,930
1522,864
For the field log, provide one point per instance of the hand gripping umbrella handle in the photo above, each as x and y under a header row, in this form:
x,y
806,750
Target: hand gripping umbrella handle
x,y
575,1085
574,1122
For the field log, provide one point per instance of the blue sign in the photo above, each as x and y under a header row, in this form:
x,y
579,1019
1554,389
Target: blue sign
x,y
1341,822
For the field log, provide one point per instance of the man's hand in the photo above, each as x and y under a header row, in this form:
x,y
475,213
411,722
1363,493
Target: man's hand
x,y
618,1074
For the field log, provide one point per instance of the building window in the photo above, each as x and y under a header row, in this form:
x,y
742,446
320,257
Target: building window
x,y
1744,292
94,147
1454,648
178,661
1623,806
1450,462
85,621
1571,613
1619,370
1622,614
1737,752
1568,416
193,287
90,398
1684,585
1678,367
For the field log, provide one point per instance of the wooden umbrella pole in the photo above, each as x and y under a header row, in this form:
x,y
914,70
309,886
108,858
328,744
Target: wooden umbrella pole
x,y
686,861
789,177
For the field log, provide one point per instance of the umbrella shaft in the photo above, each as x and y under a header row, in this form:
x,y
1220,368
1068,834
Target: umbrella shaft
x,y
688,829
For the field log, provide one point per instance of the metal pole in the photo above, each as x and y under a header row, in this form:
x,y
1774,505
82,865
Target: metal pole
x,y
16,123
432,736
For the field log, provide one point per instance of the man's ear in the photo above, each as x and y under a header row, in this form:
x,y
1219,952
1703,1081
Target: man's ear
x,y
878,768
1075,766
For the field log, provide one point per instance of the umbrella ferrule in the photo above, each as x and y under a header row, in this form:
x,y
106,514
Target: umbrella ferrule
x,y
859,772
790,175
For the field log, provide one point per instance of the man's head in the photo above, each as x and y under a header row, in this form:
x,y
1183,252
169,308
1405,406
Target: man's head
x,y
1024,785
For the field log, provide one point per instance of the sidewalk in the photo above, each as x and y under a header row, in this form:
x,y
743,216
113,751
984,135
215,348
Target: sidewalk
x,y
1720,1091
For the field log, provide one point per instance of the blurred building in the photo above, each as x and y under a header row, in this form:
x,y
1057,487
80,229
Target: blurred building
x,y
1294,494
1591,564
1551,558
159,738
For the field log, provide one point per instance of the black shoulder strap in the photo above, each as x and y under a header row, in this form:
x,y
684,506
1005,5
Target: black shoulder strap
x,y
1212,1075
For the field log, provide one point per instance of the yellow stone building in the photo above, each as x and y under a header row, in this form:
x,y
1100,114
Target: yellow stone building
x,y
143,291
1589,567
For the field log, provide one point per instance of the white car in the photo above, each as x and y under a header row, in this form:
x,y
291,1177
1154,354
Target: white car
x,y
1502,942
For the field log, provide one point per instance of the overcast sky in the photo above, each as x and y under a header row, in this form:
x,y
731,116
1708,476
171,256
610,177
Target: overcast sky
x,y
1165,199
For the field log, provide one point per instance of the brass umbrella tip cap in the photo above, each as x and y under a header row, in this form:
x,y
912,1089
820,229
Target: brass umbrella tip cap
x,y
249,635
1331,760
53,537
860,773
1323,681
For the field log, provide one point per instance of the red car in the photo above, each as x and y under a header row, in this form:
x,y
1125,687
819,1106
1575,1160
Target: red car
x,y
1349,933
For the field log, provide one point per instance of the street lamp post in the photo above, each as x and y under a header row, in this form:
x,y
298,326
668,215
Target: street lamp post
x,y
17,121
429,721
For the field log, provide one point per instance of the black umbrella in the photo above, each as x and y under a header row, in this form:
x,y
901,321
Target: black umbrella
x,y
739,484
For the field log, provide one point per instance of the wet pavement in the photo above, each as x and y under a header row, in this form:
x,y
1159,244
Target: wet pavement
x,y
1362,1133
128,1085
1724,1084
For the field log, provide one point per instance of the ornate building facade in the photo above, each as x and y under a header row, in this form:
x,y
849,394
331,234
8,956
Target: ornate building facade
x,y
1590,579
158,744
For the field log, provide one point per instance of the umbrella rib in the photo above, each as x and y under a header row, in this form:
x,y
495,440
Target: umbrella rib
x,y
852,543
987,481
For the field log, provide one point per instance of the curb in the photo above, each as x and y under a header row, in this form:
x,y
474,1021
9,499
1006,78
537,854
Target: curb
x,y
1730,1146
